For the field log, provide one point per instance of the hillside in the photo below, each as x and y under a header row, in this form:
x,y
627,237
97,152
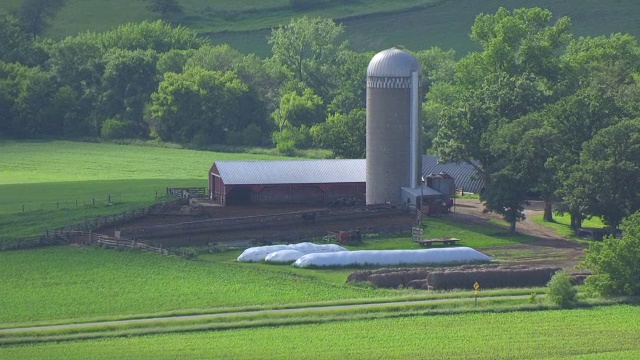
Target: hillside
x,y
370,25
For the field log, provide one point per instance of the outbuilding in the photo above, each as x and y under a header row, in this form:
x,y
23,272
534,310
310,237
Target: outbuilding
x,y
311,182
321,182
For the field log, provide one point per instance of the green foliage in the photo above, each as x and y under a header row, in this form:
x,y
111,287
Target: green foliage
x,y
35,15
343,134
199,103
290,139
607,180
115,129
296,110
307,48
158,36
614,262
561,292
15,44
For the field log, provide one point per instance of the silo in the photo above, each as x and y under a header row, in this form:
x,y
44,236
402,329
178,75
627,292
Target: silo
x,y
393,126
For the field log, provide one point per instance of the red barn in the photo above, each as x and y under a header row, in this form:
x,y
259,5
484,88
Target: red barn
x,y
287,181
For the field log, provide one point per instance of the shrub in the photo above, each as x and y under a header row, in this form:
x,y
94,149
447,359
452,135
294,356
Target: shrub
x,y
114,129
614,262
561,292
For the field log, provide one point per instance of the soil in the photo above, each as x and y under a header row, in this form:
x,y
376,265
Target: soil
x,y
550,249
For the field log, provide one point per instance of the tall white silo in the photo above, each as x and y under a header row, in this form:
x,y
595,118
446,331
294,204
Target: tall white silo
x,y
393,126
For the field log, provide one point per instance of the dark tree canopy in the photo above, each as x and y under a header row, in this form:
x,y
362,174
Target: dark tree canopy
x,y
35,15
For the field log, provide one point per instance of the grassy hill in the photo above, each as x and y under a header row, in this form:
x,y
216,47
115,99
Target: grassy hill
x,y
370,25
47,184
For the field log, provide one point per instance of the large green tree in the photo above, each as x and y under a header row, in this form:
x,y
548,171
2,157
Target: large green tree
x,y
606,182
197,106
514,75
602,91
36,15
128,80
307,48
15,44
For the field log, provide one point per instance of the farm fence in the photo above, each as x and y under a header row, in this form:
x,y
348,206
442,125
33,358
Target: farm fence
x,y
187,193
58,235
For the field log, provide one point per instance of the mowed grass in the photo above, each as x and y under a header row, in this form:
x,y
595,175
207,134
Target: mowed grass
x,y
47,184
598,333
562,224
70,282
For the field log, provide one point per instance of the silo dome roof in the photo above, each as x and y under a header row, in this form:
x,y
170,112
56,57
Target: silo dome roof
x,y
393,63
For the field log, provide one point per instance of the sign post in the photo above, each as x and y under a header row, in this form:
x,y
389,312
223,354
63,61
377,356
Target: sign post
x,y
476,287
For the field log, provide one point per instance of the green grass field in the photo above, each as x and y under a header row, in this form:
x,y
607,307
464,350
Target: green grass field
x,y
562,224
370,25
598,333
53,283
47,184
74,283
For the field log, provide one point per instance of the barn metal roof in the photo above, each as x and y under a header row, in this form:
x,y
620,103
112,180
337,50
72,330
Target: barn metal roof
x,y
463,173
268,172
292,171
393,63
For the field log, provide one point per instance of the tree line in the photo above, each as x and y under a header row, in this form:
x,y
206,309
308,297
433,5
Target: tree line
x,y
543,112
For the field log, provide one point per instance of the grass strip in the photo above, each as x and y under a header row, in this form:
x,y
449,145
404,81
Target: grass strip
x,y
437,295
287,319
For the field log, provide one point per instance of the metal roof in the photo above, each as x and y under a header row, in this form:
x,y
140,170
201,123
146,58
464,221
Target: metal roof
x,y
292,171
425,191
393,63
268,172
463,173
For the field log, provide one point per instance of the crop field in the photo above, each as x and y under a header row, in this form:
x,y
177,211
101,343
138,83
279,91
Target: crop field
x,y
72,282
75,282
598,333
369,25
47,184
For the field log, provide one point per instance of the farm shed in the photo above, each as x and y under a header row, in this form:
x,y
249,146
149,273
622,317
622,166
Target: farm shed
x,y
463,173
320,182
286,181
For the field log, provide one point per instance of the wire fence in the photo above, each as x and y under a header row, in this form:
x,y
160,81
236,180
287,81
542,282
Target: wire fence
x,y
65,204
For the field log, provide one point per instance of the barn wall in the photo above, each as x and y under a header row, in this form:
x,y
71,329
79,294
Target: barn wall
x,y
320,194
290,194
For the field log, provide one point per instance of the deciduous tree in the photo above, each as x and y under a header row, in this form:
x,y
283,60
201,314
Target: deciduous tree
x,y
35,15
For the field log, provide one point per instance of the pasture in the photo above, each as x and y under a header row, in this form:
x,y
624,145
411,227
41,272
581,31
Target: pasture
x,y
67,282
598,333
75,282
370,25
47,184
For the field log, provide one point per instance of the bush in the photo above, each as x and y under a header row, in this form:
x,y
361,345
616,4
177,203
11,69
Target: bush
x,y
614,262
561,292
115,129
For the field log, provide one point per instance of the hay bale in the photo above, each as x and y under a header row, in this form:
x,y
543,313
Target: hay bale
x,y
419,284
497,277
359,276
398,278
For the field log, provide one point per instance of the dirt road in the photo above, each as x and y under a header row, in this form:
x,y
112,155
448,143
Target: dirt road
x,y
550,249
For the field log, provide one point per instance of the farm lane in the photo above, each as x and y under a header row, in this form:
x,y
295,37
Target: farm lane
x,y
153,320
551,249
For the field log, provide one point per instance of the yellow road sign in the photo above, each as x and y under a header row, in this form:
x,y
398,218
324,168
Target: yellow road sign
x,y
476,286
